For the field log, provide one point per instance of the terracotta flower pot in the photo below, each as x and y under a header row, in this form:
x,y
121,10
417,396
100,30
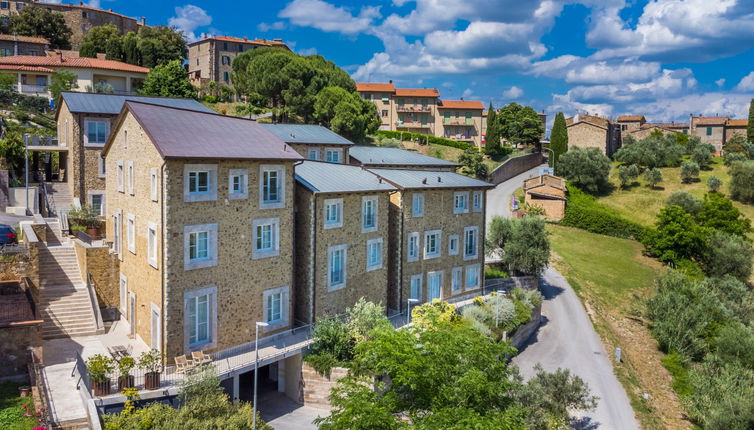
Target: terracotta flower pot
x,y
126,382
101,388
93,232
24,390
152,380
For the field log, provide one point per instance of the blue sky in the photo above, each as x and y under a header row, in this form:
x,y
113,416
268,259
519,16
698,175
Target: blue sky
x,y
661,58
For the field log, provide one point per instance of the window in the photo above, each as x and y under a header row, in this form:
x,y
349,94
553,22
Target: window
x,y
477,201
226,77
119,175
240,48
412,254
238,184
333,213
97,201
709,131
314,154
456,280
384,113
201,317
96,132
266,238
4,52
199,246
368,214
200,182
434,286
131,232
4,5
432,244
374,254
225,46
336,263
333,155
275,307
461,202
131,177
417,205
152,244
101,167
453,244
416,287
153,190
470,242
197,61
472,276
272,191
225,59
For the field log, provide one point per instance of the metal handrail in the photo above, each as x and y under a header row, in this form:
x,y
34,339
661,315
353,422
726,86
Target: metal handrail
x,y
94,302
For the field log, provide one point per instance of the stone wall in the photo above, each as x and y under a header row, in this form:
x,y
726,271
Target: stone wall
x,y
304,148
524,332
586,135
104,268
515,166
317,387
15,353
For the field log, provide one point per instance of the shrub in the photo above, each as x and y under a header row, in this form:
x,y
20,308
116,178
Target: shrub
x,y
714,184
585,212
650,152
389,142
86,216
627,174
686,200
719,213
702,156
495,274
733,157
723,393
419,137
742,181
522,243
676,237
674,364
689,171
728,254
587,169
364,317
332,336
473,164
653,177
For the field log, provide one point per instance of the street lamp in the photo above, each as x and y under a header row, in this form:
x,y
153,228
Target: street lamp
x,y
256,368
408,309
497,309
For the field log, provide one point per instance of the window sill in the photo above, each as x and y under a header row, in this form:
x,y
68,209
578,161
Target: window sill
x,y
272,205
199,264
460,212
94,145
256,255
369,229
470,257
431,256
372,268
238,196
331,288
333,225
152,263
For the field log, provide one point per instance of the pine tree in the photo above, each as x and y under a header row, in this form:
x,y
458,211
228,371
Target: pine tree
x,y
750,128
559,137
492,136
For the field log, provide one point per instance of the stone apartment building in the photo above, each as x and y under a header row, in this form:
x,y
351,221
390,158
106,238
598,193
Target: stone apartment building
x,y
211,58
436,235
462,120
84,122
341,238
313,142
79,17
13,44
395,158
200,211
593,131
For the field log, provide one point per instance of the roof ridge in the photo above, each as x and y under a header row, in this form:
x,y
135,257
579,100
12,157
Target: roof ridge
x,y
180,108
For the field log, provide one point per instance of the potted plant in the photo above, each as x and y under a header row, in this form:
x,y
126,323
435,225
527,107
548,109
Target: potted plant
x,y
125,379
87,217
151,362
99,367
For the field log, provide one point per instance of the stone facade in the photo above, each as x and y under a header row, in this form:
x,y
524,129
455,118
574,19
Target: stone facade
x,y
236,282
317,387
305,150
79,17
547,192
104,268
314,299
591,131
11,44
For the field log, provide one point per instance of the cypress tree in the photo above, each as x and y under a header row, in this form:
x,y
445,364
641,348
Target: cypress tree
x,y
492,135
750,128
559,137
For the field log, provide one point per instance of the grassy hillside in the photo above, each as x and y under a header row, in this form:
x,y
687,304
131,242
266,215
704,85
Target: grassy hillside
x,y
613,280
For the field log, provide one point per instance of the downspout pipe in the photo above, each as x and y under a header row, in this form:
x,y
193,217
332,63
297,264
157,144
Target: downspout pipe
x,y
163,266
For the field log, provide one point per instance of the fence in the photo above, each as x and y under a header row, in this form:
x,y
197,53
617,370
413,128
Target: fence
x,y
515,166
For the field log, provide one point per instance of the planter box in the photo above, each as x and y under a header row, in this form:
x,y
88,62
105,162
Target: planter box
x,y
152,381
127,382
101,388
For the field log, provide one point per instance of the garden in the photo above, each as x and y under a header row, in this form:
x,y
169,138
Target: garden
x,y
16,412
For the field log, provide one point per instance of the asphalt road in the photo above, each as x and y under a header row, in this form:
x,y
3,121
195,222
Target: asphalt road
x,y
499,198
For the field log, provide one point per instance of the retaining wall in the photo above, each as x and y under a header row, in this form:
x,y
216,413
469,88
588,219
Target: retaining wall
x,y
515,166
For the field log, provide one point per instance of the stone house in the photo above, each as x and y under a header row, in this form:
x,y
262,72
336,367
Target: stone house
x,y
631,123
313,142
461,120
735,127
437,230
79,17
341,238
200,213
593,131
547,192
84,121
395,158
711,129
13,44
646,130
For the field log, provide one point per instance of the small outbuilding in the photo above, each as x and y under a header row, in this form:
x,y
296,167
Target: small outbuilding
x,y
548,193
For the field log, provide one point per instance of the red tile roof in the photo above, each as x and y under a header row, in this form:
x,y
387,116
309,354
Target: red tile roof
x,y
26,39
710,120
629,118
25,68
61,61
738,122
460,104
417,92
259,42
364,87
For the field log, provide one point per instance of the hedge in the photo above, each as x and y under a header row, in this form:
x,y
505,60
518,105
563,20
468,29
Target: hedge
x,y
38,104
422,138
584,212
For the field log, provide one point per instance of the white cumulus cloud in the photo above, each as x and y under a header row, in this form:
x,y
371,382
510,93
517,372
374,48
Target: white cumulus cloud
x,y
188,18
328,17
513,93
747,83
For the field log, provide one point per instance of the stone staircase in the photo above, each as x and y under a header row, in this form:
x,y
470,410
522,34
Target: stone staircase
x,y
65,302
59,195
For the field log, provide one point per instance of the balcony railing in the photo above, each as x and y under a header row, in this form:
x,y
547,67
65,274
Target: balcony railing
x,y
409,124
31,88
463,122
413,108
459,137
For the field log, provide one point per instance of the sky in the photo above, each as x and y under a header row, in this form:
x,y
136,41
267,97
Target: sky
x,y
661,58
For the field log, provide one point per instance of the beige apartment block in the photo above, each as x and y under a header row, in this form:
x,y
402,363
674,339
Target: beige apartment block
x,y
200,212
313,142
436,236
79,17
593,131
461,120
415,110
211,58
84,121
342,239
382,97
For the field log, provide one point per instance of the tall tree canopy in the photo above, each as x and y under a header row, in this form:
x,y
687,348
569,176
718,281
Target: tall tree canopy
x,y
42,22
559,137
520,124
750,128
492,134
168,80
150,47
103,39
345,113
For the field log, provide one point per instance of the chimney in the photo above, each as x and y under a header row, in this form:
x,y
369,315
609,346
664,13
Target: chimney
x,y
110,10
144,20
81,3
277,40
245,38
439,179
101,56
424,181
59,54
391,81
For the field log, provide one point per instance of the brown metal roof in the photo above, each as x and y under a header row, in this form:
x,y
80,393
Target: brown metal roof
x,y
181,133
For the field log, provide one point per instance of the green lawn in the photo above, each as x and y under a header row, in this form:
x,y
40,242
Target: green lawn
x,y
613,280
11,408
